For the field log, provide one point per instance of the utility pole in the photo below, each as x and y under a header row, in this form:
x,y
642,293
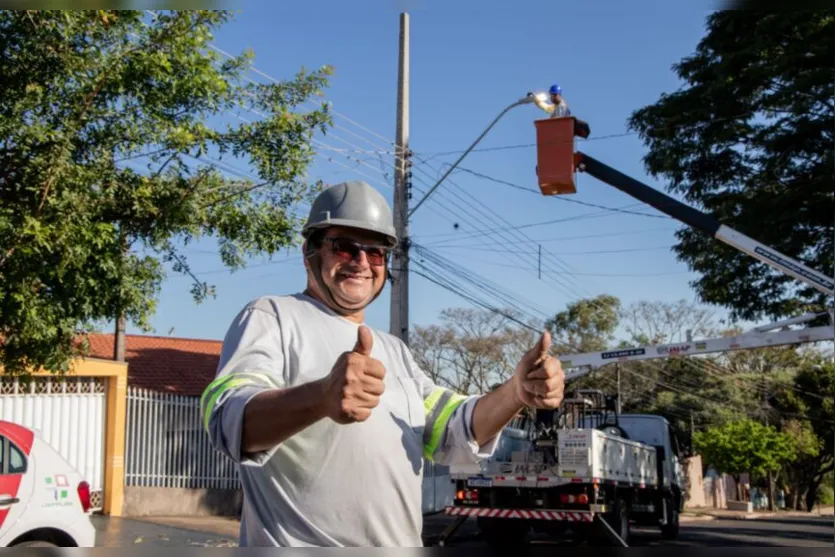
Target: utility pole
x,y
692,432
399,314
620,405
770,476
121,321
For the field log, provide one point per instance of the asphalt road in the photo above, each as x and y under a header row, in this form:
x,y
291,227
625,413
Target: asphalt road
x,y
763,532
809,531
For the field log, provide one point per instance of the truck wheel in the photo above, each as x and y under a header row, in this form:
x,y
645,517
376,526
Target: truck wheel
x,y
618,519
511,531
670,530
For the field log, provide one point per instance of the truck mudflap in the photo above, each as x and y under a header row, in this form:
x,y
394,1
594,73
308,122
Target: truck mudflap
x,y
539,514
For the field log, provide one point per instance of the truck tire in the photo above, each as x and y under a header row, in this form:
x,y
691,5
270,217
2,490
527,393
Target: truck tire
x,y
618,519
509,531
670,530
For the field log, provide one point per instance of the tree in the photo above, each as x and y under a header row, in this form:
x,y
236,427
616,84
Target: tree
x,y
809,405
744,446
683,390
107,121
472,349
748,139
649,322
587,325
798,472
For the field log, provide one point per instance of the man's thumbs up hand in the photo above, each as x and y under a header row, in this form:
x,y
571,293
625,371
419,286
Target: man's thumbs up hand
x,y
365,341
539,351
539,377
355,383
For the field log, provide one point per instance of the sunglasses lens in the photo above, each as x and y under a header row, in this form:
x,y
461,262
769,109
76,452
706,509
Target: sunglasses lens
x,y
376,256
345,249
348,251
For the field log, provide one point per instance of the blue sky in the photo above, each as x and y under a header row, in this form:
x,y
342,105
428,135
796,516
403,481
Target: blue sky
x,y
469,60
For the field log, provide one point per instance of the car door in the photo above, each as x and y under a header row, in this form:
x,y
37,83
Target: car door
x,y
16,485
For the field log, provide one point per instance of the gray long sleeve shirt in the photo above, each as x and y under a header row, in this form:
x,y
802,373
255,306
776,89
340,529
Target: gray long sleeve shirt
x,y
331,485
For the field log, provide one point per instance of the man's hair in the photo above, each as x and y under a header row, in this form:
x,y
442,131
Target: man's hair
x,y
315,240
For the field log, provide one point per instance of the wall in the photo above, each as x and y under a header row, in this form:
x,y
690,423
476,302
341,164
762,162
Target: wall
x,y
696,485
173,501
115,376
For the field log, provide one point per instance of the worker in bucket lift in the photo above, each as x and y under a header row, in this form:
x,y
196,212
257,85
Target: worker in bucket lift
x,y
329,419
557,108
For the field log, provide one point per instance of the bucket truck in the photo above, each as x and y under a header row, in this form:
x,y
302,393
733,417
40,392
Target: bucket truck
x,y
586,467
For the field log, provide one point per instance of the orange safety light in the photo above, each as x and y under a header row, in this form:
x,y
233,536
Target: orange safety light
x,y
555,155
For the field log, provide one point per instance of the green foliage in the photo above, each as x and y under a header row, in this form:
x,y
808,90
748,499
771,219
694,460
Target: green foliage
x,y
586,325
106,122
744,446
809,403
748,138
826,491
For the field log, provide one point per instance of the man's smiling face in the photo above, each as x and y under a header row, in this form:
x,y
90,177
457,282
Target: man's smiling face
x,y
354,278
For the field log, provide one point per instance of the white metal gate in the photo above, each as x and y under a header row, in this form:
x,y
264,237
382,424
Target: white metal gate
x,y
69,412
166,445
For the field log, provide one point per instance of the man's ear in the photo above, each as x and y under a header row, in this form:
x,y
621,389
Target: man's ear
x,y
307,249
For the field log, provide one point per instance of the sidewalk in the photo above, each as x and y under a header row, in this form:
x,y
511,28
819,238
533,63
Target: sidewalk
x,y
218,525
724,514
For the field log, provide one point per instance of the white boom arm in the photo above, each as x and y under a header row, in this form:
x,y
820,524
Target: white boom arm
x,y
760,337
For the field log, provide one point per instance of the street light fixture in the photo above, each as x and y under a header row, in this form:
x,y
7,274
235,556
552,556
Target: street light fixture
x,y
528,99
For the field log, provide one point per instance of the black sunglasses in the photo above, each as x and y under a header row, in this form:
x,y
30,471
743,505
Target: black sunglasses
x,y
348,250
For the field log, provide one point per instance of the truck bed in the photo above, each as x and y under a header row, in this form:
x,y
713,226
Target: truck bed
x,y
583,456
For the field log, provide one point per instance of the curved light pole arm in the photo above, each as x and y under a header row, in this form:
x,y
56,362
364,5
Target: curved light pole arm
x,y
524,100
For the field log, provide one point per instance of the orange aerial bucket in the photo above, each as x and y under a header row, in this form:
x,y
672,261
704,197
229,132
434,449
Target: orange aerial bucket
x,y
555,155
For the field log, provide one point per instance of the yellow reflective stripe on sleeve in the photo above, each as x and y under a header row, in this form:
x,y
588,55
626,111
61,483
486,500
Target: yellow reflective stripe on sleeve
x,y
430,401
222,384
439,407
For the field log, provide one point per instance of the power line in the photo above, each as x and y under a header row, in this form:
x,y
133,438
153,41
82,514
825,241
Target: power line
x,y
449,285
559,197
583,237
748,113
583,216
480,282
272,79
597,252
519,146
579,274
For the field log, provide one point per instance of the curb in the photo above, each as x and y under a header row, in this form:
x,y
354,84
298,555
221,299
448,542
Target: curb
x,y
752,516
696,518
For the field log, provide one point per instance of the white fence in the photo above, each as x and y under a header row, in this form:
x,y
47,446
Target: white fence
x,y
167,447
69,413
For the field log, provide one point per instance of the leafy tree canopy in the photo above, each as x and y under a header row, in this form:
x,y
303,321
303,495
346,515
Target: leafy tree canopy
x,y
744,446
107,123
748,138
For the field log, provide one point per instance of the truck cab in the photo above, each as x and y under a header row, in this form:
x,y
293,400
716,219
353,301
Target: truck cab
x,y
656,431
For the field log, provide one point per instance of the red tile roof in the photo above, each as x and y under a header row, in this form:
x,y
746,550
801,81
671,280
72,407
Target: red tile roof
x,y
180,366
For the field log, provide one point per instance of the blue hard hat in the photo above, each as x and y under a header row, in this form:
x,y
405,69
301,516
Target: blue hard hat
x,y
555,89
